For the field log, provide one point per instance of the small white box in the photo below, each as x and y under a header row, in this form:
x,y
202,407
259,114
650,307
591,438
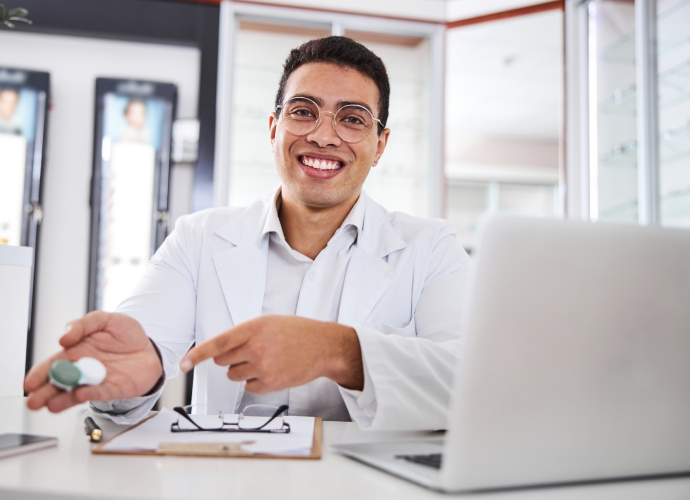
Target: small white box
x,y
15,297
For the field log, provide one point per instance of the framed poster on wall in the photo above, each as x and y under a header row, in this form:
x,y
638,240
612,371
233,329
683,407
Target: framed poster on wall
x,y
24,98
131,177
23,107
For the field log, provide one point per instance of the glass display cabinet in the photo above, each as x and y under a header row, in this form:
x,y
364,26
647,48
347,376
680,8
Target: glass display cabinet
x,y
673,30
631,69
612,99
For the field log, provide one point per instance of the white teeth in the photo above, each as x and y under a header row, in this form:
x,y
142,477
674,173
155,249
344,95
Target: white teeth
x,y
321,164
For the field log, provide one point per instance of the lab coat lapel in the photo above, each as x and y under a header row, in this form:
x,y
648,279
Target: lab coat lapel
x,y
368,274
242,275
242,270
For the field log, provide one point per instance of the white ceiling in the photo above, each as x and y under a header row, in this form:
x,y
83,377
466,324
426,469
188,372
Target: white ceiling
x,y
505,78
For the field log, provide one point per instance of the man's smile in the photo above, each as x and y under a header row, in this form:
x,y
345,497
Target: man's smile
x,y
321,163
321,166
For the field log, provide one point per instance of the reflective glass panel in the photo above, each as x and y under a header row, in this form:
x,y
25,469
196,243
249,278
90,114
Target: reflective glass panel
x,y
673,31
612,110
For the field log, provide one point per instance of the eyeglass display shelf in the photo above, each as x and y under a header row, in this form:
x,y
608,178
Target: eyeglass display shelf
x,y
673,203
624,102
674,144
672,31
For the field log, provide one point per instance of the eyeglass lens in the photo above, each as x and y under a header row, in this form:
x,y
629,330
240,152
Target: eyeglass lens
x,y
204,416
352,122
255,416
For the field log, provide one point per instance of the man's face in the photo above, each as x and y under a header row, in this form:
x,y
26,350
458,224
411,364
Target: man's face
x,y
8,103
329,85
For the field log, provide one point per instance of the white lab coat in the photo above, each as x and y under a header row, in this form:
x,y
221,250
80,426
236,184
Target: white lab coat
x,y
404,291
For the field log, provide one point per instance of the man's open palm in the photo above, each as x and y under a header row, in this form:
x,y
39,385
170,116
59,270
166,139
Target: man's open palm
x,y
116,340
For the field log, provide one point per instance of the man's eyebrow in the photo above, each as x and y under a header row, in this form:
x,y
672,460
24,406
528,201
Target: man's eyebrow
x,y
306,96
338,104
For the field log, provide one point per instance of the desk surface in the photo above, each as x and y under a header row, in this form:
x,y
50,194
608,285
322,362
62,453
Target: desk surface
x,y
71,471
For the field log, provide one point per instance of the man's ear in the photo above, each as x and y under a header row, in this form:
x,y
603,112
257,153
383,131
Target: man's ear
x,y
382,142
272,126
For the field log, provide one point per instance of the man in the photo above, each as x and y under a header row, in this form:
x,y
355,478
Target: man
x,y
315,297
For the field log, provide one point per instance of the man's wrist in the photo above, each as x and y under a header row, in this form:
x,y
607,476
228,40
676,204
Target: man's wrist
x,y
161,379
345,366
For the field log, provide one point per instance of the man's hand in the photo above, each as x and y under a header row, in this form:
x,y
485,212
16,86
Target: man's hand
x,y
116,340
273,353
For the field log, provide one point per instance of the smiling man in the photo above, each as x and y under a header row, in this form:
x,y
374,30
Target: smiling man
x,y
315,297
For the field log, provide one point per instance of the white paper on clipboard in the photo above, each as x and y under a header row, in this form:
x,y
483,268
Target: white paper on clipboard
x,y
156,430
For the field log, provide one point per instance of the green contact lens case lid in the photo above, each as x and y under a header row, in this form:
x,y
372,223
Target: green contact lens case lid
x,y
64,374
67,375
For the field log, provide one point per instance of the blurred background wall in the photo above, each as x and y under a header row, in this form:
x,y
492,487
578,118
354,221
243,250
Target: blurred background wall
x,y
74,63
518,106
474,112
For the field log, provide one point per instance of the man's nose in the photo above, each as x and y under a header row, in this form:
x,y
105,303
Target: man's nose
x,y
324,134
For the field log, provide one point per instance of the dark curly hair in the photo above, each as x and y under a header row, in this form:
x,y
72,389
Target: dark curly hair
x,y
342,51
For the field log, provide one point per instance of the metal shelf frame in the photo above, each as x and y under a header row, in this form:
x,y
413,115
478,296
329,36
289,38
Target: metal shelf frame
x,y
582,159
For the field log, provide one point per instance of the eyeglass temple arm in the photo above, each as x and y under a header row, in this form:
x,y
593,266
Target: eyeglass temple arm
x,y
278,411
181,411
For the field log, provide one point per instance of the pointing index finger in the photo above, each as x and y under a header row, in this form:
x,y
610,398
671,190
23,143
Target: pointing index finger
x,y
219,344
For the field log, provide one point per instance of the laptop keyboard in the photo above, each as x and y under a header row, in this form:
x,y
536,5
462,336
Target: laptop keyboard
x,y
431,460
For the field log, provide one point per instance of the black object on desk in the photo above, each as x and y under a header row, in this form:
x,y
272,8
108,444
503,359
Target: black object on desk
x,y
92,430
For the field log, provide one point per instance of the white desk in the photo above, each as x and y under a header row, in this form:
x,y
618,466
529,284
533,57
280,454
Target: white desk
x,y
70,471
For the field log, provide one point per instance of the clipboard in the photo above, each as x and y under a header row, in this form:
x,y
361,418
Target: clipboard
x,y
223,450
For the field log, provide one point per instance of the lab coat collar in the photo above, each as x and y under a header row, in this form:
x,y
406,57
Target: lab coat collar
x,y
242,270
376,235
354,219
246,229
272,224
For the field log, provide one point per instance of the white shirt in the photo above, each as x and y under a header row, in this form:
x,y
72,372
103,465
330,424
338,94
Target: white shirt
x,y
298,285
404,288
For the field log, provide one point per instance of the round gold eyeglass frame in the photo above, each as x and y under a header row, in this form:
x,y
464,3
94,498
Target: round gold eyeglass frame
x,y
333,123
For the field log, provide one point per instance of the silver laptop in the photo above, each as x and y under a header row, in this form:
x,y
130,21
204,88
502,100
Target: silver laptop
x,y
576,367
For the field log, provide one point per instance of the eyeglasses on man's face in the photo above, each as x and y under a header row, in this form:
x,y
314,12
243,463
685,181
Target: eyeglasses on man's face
x,y
352,122
253,418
